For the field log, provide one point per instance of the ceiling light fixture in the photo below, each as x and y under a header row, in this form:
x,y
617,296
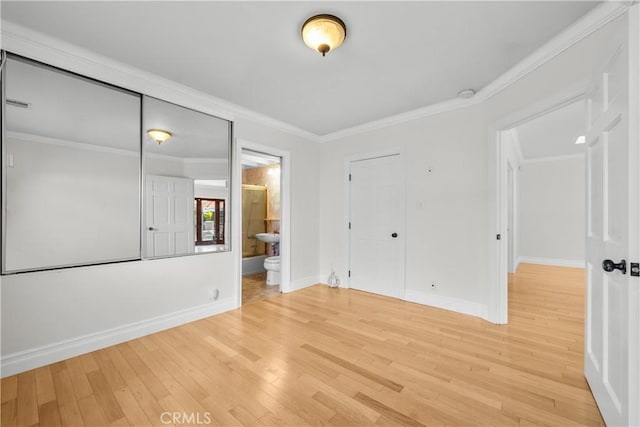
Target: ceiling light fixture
x,y
159,135
323,33
581,139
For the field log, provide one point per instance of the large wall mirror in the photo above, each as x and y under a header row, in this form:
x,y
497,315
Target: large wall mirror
x,y
93,174
187,171
71,169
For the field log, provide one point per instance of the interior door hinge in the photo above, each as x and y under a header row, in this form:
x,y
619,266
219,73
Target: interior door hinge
x,y
349,273
349,226
349,177
635,269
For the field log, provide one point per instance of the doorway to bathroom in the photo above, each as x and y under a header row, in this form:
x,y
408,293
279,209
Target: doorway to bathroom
x,y
261,225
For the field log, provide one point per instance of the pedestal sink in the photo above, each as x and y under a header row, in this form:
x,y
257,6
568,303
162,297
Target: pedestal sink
x,y
268,237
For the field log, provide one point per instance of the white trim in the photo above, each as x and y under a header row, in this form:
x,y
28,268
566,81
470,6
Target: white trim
x,y
557,262
553,158
285,210
517,145
589,23
447,303
430,110
40,356
305,282
28,137
50,50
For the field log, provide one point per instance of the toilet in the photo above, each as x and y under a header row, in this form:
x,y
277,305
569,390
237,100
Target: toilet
x,y
272,265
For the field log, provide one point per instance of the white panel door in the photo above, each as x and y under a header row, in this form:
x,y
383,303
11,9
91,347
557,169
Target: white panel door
x,y
169,216
377,226
611,327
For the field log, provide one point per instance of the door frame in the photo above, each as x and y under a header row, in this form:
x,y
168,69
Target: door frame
x,y
285,211
498,266
347,206
512,213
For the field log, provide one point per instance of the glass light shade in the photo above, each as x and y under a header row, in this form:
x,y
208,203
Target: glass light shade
x,y
159,135
323,33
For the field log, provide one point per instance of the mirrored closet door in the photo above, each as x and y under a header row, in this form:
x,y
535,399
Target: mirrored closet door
x,y
71,169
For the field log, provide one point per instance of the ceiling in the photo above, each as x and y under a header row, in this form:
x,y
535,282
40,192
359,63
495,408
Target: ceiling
x,y
398,56
554,134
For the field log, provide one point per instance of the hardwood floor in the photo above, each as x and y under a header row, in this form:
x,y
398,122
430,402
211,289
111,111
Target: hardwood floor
x,y
254,288
339,357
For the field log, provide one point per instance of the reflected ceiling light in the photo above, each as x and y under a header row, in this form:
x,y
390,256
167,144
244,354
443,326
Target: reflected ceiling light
x,y
159,135
581,139
323,33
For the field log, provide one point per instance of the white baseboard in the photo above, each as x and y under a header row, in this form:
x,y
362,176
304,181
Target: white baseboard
x,y
40,356
448,303
557,262
305,282
515,267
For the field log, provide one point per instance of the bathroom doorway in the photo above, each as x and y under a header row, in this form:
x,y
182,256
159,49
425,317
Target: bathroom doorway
x,y
261,225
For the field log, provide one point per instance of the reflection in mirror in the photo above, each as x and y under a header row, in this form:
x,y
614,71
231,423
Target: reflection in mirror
x,y
71,170
186,168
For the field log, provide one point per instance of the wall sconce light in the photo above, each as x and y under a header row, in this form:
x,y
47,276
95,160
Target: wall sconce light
x,y
159,135
323,33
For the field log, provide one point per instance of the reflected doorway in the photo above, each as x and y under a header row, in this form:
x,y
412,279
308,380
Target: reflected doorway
x,y
261,221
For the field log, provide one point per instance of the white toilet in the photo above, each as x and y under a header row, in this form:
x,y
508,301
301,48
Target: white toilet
x,y
272,265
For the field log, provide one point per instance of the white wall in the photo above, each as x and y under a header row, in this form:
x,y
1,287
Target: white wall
x,y
552,211
447,224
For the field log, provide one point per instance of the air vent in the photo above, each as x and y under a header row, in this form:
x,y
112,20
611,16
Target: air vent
x,y
16,103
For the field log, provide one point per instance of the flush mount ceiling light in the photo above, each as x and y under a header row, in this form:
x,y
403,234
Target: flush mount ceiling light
x,y
159,135
323,33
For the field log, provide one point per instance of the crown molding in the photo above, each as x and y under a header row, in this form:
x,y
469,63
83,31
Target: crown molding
x,y
53,51
50,50
430,110
517,145
553,158
40,139
588,24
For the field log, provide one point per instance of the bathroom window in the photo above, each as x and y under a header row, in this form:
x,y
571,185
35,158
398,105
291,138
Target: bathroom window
x,y
210,218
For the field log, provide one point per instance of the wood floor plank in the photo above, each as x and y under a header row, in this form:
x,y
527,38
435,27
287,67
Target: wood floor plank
x,y
9,388
91,412
9,413
104,395
340,357
49,414
44,385
27,398
67,402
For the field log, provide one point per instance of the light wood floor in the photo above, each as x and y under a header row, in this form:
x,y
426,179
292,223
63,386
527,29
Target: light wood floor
x,y
324,356
254,288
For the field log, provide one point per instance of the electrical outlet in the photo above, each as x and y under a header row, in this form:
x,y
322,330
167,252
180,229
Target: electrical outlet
x,y
213,294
